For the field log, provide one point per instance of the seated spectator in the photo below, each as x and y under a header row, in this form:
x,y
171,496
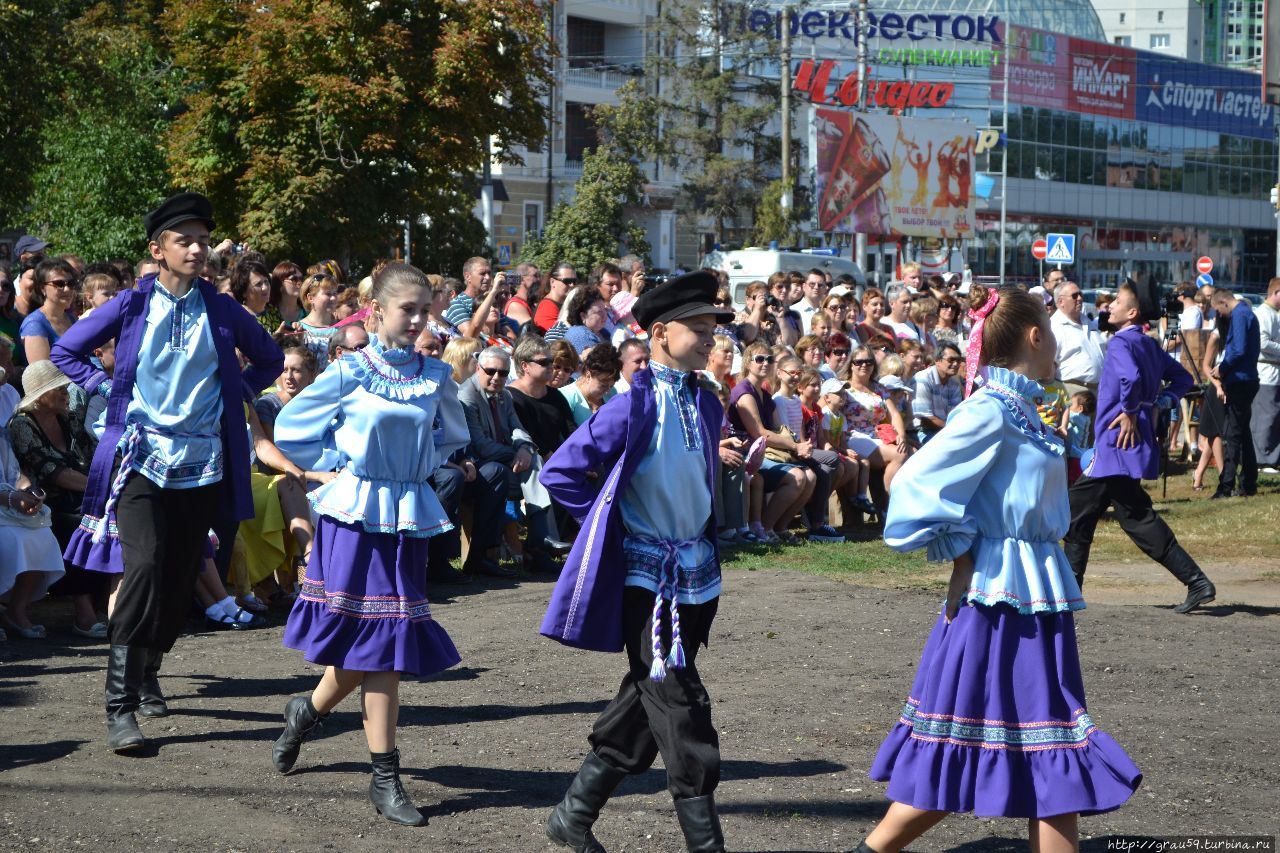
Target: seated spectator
x,y
833,436
300,370
460,354
504,453
868,409
837,312
428,344
836,347
635,357
10,322
287,281
626,326
587,319
720,362
937,392
251,287
594,386
871,330
477,277
950,328
819,324
346,339
526,284
345,304
54,451
823,464
319,293
363,315
914,358
789,484
32,559
811,352
737,494
564,363
52,297
606,280
924,314
98,288
545,414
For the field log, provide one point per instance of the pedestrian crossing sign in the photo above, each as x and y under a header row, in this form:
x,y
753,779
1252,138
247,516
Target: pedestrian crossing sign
x,y
1062,248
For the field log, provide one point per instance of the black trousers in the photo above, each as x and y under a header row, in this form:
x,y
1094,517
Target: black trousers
x,y
1090,497
1237,439
162,538
673,716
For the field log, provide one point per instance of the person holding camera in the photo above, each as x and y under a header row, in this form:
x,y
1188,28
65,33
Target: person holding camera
x,y
1132,391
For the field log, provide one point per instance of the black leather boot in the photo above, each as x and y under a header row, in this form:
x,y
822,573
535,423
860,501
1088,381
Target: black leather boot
x,y
150,700
570,823
300,719
701,824
125,665
388,795
862,847
1200,590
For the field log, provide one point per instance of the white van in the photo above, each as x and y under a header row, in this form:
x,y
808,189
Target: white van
x,y
747,265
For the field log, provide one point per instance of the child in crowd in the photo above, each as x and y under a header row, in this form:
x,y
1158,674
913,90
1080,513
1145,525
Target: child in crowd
x,y
996,722
1078,424
832,399
319,296
97,289
647,548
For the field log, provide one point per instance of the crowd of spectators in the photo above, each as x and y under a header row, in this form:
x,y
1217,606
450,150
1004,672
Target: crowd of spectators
x,y
828,388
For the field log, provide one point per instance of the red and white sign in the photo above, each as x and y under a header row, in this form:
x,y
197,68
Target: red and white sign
x,y
1038,71
816,79
1204,266
1103,81
1040,249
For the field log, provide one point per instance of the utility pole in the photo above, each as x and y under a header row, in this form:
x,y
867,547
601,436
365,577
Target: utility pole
x,y
860,29
1004,161
786,109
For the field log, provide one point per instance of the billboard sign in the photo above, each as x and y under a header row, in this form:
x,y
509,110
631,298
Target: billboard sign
x,y
884,175
1205,97
1103,79
1038,69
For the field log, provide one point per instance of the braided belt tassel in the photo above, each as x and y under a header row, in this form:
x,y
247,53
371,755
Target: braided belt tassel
x,y
117,484
674,660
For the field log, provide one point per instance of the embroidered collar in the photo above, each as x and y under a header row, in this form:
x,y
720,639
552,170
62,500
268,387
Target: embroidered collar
x,y
398,373
1016,392
669,375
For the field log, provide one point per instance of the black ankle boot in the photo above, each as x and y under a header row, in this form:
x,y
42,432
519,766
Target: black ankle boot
x,y
300,719
862,847
388,795
701,824
571,821
125,665
1200,590
150,700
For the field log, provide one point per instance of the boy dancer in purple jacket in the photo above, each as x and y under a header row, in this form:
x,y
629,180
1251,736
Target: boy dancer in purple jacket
x,y
1130,394
644,572
175,451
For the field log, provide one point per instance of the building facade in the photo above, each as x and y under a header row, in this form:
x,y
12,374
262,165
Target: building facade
x,y
1172,27
1233,32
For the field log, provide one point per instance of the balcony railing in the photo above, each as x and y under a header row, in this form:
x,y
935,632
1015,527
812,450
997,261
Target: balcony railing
x,y
596,78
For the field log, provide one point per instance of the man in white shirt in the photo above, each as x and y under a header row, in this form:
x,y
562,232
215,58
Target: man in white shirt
x,y
1265,421
1079,345
815,286
898,297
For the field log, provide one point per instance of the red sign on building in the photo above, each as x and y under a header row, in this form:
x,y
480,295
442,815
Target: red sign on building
x,y
1038,69
1103,79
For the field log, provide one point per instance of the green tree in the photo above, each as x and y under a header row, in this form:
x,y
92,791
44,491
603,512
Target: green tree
x,y
101,166
452,234
319,126
772,220
596,224
717,96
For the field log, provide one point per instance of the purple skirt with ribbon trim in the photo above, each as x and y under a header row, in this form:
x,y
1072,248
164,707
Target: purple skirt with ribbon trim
x,y
106,556
996,724
362,605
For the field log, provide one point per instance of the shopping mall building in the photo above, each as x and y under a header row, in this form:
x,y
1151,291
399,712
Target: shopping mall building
x,y
1150,160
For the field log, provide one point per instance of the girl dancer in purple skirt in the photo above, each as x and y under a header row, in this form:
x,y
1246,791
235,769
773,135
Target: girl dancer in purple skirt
x,y
996,722
386,417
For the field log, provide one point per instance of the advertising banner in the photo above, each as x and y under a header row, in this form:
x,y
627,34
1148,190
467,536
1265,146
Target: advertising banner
x,y
1103,79
884,175
1205,97
1038,69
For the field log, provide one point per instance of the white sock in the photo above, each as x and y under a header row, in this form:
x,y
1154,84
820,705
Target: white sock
x,y
228,606
215,612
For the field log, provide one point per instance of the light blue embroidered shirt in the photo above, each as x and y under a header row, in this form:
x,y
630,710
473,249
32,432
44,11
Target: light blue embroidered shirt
x,y
667,503
385,419
177,394
992,483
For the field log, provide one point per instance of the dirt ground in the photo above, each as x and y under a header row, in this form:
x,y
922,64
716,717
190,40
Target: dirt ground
x,y
806,674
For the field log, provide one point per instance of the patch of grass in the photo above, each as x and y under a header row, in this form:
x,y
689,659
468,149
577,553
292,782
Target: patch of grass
x,y
1212,531
1241,529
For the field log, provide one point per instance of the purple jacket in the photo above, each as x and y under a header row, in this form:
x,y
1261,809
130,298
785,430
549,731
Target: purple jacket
x,y
586,606
1133,377
124,318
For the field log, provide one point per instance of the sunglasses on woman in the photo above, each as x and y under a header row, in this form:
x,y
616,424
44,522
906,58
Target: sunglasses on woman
x,y
864,362
763,359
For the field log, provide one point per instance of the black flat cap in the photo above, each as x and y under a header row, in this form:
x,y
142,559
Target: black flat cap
x,y
679,298
1149,303
175,210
